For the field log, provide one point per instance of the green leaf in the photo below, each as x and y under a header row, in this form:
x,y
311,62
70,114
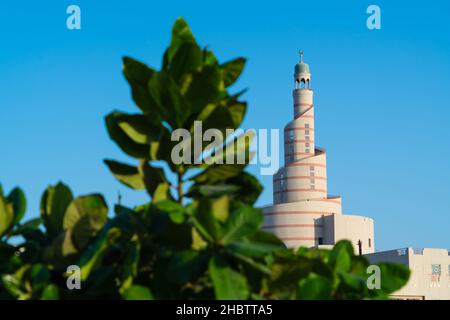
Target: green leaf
x,y
19,203
93,206
217,173
165,60
155,181
172,105
128,220
252,249
228,283
237,151
197,241
50,292
237,112
209,58
249,261
187,59
162,192
220,207
92,257
136,292
243,187
162,149
140,128
232,70
138,75
121,138
249,185
186,265
175,210
39,276
211,191
222,117
131,264
393,276
86,216
65,245
28,227
15,284
353,281
341,256
287,269
6,214
315,288
61,251
206,222
171,235
268,238
206,88
12,285
242,222
126,174
181,33
54,203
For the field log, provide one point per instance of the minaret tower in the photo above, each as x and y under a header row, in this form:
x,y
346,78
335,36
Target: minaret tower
x,y
303,214
299,133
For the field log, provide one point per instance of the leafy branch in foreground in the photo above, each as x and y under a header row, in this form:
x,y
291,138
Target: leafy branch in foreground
x,y
199,236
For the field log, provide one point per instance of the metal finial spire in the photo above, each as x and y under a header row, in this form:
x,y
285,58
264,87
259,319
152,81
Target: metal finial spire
x,y
301,55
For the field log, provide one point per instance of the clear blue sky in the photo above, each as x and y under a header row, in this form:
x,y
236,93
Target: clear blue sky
x,y
382,97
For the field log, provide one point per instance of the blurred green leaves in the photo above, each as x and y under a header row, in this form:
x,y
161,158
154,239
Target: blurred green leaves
x,y
228,283
12,209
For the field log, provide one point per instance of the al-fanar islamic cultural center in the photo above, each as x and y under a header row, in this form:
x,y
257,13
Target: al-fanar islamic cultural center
x,y
304,214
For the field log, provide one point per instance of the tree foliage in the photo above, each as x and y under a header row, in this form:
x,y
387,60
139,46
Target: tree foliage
x,y
199,236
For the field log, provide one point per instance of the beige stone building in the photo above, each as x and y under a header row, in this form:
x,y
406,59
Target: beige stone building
x,y
304,214
430,272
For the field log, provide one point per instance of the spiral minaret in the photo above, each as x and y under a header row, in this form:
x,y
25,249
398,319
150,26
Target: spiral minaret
x,y
301,201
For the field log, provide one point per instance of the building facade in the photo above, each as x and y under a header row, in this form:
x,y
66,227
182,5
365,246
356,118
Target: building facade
x,y
303,214
430,272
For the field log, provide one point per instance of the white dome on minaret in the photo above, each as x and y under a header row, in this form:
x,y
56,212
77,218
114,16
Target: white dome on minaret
x,y
302,75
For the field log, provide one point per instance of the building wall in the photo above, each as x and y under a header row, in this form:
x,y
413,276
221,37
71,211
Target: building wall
x,y
299,136
302,180
300,223
423,283
358,229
